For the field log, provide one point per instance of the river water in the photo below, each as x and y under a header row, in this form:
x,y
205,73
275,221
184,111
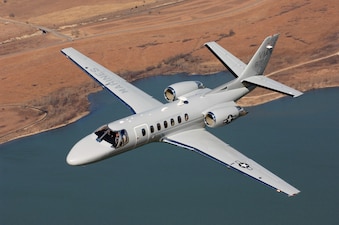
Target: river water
x,y
162,184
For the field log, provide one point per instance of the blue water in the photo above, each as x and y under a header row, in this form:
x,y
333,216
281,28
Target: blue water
x,y
163,184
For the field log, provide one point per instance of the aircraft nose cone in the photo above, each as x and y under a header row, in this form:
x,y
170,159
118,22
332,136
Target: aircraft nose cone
x,y
87,150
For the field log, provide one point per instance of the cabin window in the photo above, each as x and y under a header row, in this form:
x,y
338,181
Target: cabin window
x,y
179,119
143,131
165,124
158,126
172,122
186,116
152,129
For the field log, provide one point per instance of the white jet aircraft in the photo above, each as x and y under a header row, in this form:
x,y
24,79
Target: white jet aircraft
x,y
182,121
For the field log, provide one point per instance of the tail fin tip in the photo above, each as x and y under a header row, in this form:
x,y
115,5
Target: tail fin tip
x,y
259,61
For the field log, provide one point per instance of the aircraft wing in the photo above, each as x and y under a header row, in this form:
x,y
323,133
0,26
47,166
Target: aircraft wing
x,y
203,142
132,96
232,63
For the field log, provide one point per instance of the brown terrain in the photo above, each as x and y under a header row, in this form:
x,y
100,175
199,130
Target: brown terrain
x,y
41,89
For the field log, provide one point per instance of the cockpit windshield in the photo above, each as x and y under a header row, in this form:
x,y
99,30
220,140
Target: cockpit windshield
x,y
116,138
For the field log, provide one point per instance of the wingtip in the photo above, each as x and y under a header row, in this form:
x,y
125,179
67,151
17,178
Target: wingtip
x,y
290,193
65,50
297,94
208,43
294,194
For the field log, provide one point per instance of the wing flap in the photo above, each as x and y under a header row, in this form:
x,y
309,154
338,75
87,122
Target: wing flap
x,y
132,96
205,143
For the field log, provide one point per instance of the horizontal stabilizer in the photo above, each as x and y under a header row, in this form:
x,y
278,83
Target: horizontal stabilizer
x,y
232,63
273,85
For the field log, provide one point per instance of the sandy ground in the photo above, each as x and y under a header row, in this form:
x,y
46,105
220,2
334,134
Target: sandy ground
x,y
143,38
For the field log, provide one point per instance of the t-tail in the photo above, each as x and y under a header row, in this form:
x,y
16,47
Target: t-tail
x,y
251,75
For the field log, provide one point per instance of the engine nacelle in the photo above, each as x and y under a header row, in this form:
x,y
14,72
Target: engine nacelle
x,y
174,91
223,115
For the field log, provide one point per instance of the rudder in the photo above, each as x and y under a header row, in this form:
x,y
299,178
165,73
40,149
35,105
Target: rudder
x,y
258,63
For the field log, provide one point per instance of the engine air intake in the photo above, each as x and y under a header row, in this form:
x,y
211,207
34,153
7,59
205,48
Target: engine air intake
x,y
223,115
174,91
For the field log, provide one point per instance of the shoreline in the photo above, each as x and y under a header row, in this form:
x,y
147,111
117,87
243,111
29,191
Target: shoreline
x,y
82,115
75,119
166,40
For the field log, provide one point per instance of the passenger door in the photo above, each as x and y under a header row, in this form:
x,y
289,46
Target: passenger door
x,y
142,134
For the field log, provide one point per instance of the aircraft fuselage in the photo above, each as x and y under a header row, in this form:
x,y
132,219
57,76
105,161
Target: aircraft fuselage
x,y
151,126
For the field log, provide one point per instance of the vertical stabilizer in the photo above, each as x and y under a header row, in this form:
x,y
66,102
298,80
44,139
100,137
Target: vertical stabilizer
x,y
250,75
259,61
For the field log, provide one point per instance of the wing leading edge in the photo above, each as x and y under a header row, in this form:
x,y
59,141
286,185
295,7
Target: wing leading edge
x,y
132,96
205,143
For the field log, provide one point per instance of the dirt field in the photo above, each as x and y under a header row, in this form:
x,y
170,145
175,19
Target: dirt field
x,y
40,89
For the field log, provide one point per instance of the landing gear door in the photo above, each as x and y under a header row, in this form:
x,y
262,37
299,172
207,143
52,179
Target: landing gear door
x,y
141,134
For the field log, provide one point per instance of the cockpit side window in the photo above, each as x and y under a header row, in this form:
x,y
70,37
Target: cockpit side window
x,y
116,138
104,133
